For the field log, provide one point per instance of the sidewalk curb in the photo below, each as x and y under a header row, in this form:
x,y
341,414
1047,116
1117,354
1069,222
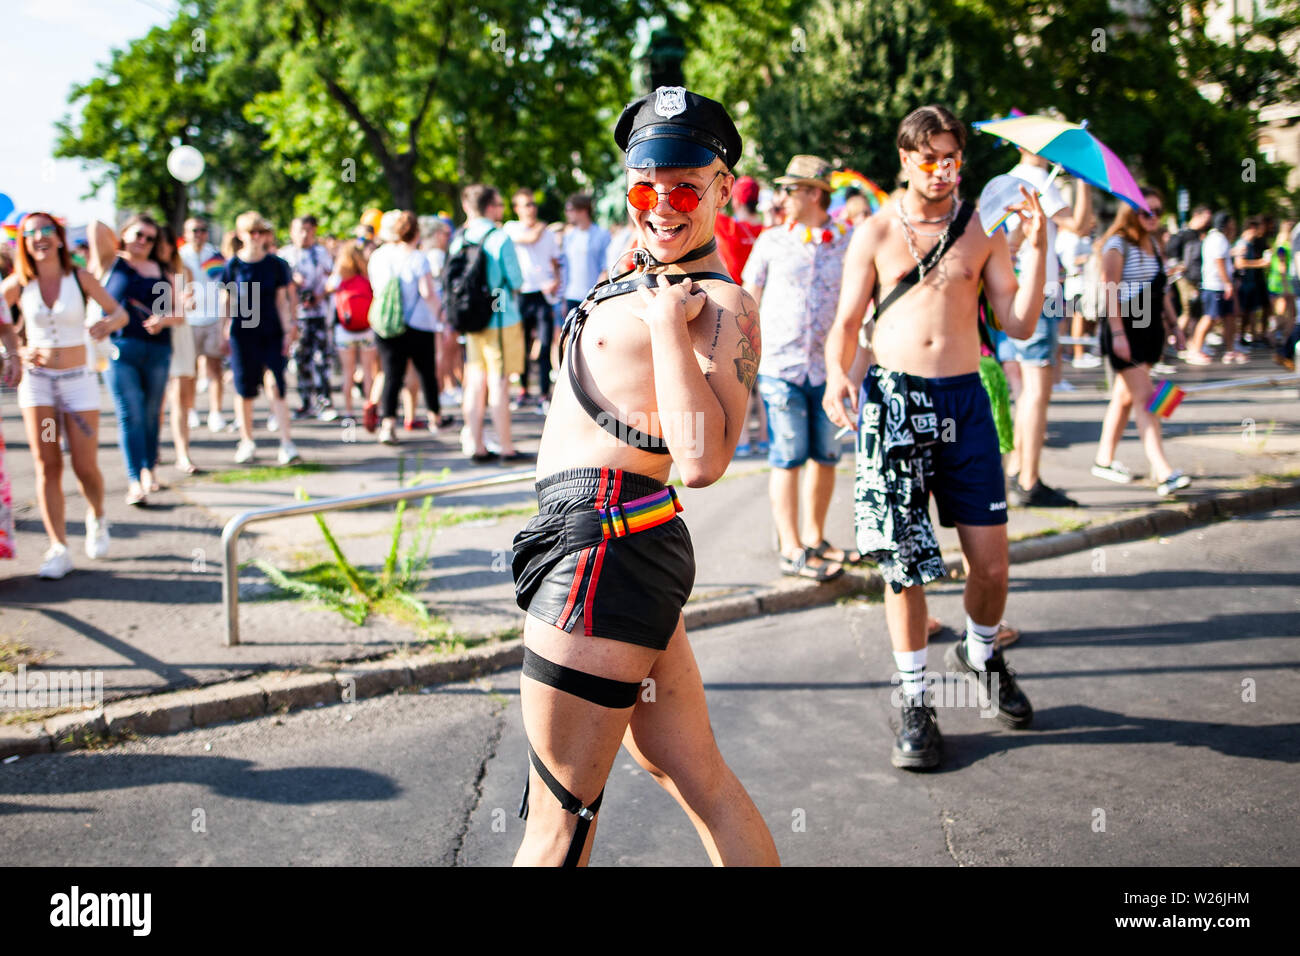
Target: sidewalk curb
x,y
283,691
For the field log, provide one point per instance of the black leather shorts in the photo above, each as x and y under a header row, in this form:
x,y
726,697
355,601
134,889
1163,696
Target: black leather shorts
x,y
630,588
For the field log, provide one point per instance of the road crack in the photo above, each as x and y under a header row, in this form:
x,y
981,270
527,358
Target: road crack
x,y
946,822
494,741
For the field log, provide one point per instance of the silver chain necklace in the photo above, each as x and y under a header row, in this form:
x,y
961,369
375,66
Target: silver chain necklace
x,y
910,234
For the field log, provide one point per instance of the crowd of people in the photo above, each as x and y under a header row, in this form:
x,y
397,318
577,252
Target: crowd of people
x,y
167,321
240,314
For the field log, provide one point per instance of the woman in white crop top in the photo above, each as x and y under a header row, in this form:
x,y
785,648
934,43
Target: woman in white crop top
x,y
59,391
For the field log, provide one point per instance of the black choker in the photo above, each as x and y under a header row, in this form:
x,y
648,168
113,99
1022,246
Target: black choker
x,y
645,259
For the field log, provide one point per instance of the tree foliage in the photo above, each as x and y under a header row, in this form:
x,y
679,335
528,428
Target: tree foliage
x,y
332,106
401,103
178,84
836,77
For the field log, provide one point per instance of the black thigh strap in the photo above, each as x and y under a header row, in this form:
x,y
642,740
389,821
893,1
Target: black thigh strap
x,y
585,815
614,694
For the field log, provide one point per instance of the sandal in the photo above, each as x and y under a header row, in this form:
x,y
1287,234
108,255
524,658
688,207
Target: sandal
x,y
370,417
187,468
798,567
850,557
136,497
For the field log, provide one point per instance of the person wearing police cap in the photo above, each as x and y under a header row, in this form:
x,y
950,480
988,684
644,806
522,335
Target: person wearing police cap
x,y
658,363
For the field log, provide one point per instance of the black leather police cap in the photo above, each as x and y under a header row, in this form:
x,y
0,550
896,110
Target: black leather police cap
x,y
675,127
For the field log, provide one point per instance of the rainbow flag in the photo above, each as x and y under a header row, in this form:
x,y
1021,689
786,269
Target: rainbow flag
x,y
212,267
1165,399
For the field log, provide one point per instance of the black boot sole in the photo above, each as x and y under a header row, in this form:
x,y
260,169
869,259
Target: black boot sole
x,y
1015,723
954,663
921,761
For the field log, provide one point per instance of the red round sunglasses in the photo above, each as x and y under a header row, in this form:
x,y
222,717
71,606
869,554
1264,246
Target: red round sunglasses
x,y
683,198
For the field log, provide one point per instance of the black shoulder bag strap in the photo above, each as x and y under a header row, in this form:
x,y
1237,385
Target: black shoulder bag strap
x,y
929,260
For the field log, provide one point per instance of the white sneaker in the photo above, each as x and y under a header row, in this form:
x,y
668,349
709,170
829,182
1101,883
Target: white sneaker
x,y
246,451
1115,472
57,563
1213,338
1063,386
1087,360
288,453
194,419
1162,368
272,423
216,422
1176,481
201,386
97,537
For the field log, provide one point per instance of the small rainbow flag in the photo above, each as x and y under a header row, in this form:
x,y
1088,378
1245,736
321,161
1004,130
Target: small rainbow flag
x,y
1165,399
212,266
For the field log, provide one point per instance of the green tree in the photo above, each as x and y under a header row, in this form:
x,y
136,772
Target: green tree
x,y
865,64
401,103
1138,78
178,84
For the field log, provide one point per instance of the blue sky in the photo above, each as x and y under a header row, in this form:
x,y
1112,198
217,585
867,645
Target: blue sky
x,y
47,46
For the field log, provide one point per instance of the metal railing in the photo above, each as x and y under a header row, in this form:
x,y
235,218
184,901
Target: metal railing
x,y
235,526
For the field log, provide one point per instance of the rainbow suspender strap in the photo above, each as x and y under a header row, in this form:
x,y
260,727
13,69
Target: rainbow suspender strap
x,y
640,514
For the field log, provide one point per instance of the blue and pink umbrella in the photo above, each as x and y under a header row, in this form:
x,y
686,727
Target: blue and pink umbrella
x,y
1072,147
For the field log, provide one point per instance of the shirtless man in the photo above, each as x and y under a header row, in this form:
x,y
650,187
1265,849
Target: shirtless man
x,y
924,361
661,377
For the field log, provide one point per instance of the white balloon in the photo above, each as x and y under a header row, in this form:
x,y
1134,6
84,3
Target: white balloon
x,y
185,163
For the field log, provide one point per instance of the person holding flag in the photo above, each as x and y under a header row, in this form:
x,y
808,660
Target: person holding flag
x,y
1132,339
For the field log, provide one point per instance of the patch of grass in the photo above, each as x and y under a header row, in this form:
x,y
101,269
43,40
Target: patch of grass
x,y
41,714
15,651
1066,525
356,593
249,476
855,600
447,517
1258,481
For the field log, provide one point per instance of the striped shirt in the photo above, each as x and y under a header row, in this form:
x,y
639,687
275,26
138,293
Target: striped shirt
x,y
1139,267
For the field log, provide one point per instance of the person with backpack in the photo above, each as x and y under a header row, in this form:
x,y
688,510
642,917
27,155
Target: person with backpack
x,y
481,278
403,316
352,292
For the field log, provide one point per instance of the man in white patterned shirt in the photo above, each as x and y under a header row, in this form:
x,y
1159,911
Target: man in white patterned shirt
x,y
794,274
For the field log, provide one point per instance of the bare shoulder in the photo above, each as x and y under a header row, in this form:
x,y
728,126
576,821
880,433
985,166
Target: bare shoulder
x,y
11,287
728,296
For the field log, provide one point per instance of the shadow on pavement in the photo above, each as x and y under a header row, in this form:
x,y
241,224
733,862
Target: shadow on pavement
x,y
225,776
1078,724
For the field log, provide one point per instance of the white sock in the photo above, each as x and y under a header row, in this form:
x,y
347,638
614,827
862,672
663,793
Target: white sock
x,y
911,668
979,642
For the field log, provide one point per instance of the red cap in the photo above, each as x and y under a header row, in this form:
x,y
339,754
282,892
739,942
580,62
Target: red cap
x,y
745,191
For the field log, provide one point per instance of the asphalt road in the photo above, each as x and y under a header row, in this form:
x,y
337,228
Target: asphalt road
x,y
1159,672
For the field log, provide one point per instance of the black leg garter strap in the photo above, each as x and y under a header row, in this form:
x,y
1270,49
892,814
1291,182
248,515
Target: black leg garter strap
x,y
614,694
